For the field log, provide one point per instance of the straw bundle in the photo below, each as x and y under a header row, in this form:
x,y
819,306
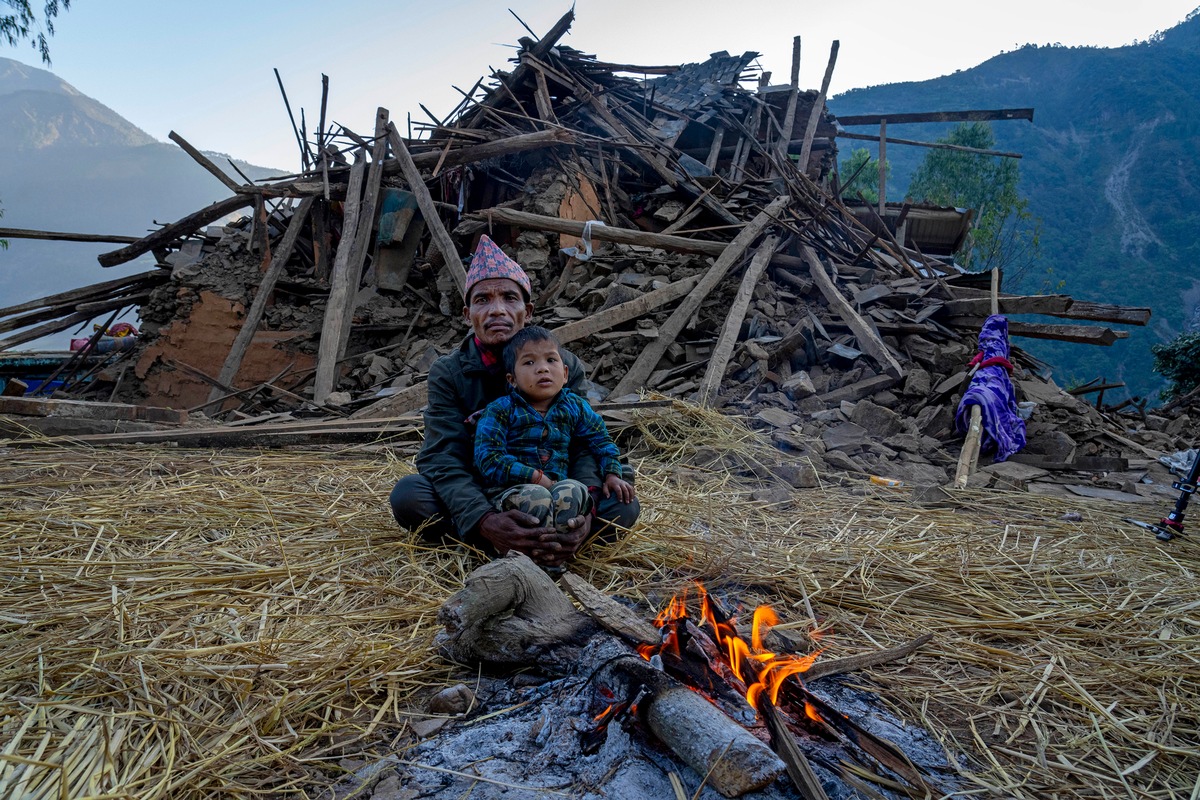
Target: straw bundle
x,y
195,624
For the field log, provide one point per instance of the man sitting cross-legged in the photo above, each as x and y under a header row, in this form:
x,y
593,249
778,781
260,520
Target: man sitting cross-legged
x,y
447,491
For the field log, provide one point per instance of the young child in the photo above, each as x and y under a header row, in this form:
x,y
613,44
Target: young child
x,y
522,439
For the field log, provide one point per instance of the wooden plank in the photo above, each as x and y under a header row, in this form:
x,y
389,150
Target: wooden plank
x,y
1032,304
648,359
871,344
818,106
339,290
68,321
233,361
969,457
183,227
632,309
611,615
366,224
60,236
204,161
710,384
40,407
104,289
868,137
883,165
1080,463
405,401
789,115
416,185
939,116
542,98
857,391
1079,334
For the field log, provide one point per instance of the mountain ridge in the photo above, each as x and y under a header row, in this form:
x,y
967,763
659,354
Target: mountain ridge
x,y
71,163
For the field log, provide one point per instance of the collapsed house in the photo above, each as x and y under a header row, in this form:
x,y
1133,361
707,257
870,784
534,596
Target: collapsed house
x,y
686,234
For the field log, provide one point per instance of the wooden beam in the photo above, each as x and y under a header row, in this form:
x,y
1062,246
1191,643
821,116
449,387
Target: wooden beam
x,y
871,344
416,184
103,289
710,384
632,309
405,401
789,116
69,321
204,161
939,116
868,137
882,199
1103,312
1079,334
183,227
480,152
814,116
366,224
60,236
969,456
233,361
648,359
1011,304
612,233
339,290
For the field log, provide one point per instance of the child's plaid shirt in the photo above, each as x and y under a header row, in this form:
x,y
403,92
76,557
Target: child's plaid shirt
x,y
513,440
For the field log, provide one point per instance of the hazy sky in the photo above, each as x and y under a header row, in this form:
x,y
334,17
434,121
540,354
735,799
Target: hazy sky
x,y
205,69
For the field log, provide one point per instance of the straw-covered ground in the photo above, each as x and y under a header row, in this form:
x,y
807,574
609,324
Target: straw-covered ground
x,y
202,624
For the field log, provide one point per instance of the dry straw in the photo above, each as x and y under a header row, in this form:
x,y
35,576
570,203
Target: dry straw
x,y
224,624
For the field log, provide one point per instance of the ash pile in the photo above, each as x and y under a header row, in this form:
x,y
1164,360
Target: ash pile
x,y
686,235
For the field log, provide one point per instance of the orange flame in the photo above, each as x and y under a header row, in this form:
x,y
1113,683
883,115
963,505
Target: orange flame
x,y
773,669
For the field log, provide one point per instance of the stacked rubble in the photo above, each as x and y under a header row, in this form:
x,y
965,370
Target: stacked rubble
x,y
685,234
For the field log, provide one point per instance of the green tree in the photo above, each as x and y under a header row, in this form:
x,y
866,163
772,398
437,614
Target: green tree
x,y
1005,233
1179,362
23,24
862,172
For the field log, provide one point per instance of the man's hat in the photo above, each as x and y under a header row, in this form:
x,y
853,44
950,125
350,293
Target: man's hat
x,y
489,261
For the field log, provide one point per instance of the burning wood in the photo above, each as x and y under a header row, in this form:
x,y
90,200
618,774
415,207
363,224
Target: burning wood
x,y
709,694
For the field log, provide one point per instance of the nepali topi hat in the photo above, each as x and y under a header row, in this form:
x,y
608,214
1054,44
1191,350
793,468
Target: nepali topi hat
x,y
489,261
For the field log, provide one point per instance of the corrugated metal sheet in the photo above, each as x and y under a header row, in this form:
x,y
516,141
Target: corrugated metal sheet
x,y
934,230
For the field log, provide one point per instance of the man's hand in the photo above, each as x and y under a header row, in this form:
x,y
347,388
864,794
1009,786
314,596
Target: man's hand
x,y
623,489
560,548
515,530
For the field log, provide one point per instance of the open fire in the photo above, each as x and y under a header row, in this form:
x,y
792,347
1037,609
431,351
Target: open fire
x,y
707,655
749,667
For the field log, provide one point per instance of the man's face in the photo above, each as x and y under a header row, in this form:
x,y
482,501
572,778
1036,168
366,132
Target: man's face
x,y
539,372
496,310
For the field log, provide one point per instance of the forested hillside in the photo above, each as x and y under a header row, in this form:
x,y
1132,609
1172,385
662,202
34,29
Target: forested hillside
x,y
1110,167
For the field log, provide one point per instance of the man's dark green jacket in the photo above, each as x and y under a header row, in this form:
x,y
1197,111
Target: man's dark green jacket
x,y
459,386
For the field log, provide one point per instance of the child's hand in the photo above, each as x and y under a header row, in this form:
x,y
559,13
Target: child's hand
x,y
622,488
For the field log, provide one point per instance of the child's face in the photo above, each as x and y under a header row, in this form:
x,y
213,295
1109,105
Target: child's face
x,y
539,372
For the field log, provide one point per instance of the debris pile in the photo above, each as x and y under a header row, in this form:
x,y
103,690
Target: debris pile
x,y
685,233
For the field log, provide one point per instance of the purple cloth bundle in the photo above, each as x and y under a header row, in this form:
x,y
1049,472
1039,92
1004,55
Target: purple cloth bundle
x,y
992,391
